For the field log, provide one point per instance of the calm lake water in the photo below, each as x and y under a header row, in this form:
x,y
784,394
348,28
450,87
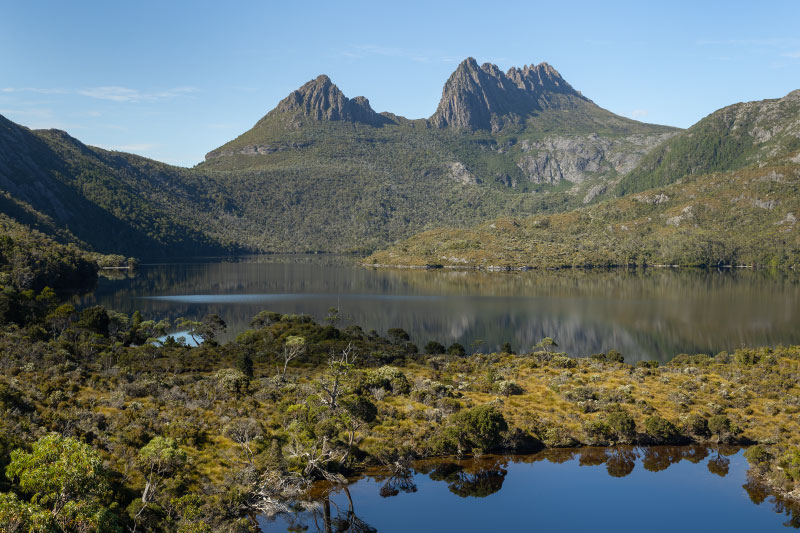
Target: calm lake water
x,y
652,314
621,490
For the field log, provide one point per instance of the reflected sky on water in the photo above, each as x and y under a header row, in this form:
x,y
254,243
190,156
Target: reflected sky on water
x,y
687,488
645,314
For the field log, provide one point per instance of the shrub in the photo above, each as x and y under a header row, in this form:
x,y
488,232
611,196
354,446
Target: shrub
x,y
597,432
387,378
615,356
434,348
719,424
622,424
562,361
661,430
696,424
758,456
457,349
508,388
790,462
479,428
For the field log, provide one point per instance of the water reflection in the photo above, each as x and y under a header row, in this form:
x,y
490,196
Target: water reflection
x,y
535,489
646,314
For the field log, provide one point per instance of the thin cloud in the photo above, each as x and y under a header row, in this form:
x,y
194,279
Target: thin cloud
x,y
37,90
116,93
638,114
792,55
42,114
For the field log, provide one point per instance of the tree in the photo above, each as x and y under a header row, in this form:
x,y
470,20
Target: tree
x,y
332,381
244,363
398,335
457,349
292,349
333,316
506,348
157,459
66,477
546,344
434,348
244,432
60,319
191,327
210,328
356,411
95,319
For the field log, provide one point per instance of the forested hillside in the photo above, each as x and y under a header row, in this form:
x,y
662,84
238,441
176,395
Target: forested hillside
x,y
740,135
323,172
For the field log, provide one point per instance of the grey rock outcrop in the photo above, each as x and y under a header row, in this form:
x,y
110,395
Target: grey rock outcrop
x,y
578,158
321,99
483,97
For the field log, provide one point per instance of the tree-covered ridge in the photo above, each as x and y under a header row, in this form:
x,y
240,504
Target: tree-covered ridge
x,y
32,260
746,217
102,428
740,135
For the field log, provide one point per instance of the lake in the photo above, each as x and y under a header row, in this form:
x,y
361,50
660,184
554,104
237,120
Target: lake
x,y
689,488
645,314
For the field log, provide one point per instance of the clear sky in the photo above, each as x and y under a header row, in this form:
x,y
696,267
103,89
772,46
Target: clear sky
x,y
172,80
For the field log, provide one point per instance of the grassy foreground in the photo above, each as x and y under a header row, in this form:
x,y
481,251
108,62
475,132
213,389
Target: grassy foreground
x,y
103,430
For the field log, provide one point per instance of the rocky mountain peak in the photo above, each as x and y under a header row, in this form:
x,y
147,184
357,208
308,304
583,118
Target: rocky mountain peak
x,y
321,99
484,97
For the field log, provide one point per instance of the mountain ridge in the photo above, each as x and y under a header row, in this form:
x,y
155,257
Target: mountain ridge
x,y
324,172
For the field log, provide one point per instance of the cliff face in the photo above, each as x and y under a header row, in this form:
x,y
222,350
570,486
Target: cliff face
x,y
321,99
484,97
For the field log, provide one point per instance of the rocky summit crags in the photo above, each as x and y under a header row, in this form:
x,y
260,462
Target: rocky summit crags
x,y
483,97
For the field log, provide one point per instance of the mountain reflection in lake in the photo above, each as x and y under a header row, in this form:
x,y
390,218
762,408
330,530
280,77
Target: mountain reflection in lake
x,y
652,489
645,314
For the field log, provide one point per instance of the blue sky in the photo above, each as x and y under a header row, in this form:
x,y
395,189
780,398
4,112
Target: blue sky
x,y
173,80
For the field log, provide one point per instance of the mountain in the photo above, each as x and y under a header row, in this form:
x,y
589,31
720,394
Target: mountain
x,y
110,201
324,172
740,135
725,191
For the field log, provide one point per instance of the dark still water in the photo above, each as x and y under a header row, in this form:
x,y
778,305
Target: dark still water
x,y
659,489
652,314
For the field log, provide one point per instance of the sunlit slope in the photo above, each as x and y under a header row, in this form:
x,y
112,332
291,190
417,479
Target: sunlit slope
x,y
743,217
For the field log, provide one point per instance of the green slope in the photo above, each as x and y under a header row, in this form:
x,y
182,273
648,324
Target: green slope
x,y
744,217
731,138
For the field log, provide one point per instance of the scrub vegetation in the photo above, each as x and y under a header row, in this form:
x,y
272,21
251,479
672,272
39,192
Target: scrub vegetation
x,y
104,428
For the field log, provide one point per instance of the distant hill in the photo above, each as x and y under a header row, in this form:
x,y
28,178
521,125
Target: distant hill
x,y
744,217
324,172
111,201
724,192
740,135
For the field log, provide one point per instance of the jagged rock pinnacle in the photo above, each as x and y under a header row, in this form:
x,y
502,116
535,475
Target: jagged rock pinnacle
x,y
483,97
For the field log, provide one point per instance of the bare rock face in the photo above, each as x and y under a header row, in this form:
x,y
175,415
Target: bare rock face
x,y
578,158
460,173
321,99
483,97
